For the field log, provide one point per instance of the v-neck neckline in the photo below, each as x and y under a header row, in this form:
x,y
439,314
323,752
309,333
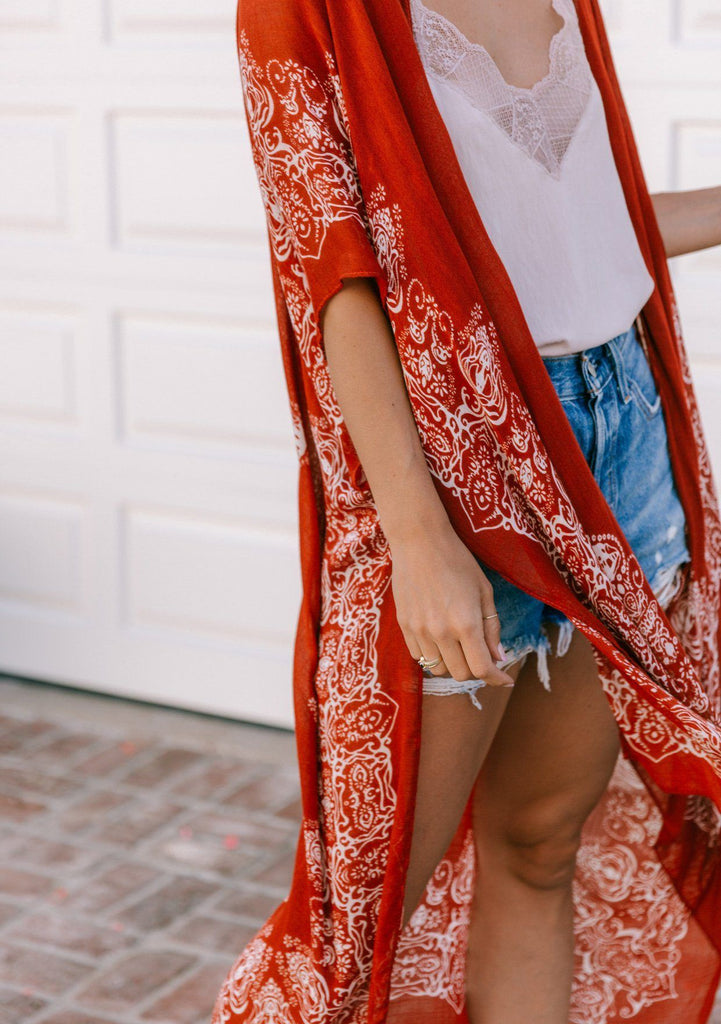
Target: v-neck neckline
x,y
470,45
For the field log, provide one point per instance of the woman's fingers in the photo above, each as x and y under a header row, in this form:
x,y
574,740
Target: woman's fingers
x,y
467,642
491,623
454,661
428,650
492,635
480,660
464,659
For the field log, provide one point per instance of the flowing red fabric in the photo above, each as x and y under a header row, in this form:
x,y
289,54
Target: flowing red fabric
x,y
359,178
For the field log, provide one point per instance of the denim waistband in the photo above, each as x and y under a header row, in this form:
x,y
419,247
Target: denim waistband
x,y
587,372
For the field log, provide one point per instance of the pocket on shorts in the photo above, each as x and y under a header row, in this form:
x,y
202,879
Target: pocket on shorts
x,y
642,383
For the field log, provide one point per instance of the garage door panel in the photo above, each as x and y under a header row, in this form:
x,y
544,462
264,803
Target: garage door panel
x,y
39,356
196,575
34,171
150,22
699,22
43,537
203,386
29,15
177,180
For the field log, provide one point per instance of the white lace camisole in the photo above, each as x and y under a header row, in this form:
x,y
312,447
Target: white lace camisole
x,y
539,165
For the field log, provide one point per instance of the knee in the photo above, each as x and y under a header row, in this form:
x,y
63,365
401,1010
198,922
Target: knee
x,y
540,843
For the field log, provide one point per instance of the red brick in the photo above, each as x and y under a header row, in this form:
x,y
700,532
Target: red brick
x,y
75,1017
7,913
134,979
20,781
162,907
117,883
266,793
20,734
249,903
192,853
73,935
91,809
39,970
279,873
214,779
193,999
293,811
140,820
14,882
216,828
44,853
163,766
215,933
16,1008
118,753
64,748
15,808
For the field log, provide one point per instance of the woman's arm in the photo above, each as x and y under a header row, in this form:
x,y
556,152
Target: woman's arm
x,y
689,221
439,589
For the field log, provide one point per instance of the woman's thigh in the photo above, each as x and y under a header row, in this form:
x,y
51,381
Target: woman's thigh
x,y
549,763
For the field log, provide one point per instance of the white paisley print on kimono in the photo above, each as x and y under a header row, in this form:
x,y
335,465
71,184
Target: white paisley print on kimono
x,y
309,182
303,166
430,956
487,449
625,957
472,471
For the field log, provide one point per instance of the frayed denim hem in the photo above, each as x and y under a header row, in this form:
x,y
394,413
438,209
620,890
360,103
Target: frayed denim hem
x,y
445,685
666,585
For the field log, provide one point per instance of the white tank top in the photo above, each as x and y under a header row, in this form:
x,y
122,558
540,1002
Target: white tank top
x,y
539,165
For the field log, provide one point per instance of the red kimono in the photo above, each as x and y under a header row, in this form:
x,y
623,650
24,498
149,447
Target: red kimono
x,y
359,178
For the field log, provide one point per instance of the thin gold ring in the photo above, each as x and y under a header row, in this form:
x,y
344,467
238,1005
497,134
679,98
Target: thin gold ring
x,y
429,664
494,616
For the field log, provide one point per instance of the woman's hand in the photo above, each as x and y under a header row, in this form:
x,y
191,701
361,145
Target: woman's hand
x,y
441,595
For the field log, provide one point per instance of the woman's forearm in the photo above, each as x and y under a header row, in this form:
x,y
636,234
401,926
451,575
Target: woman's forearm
x,y
689,221
367,379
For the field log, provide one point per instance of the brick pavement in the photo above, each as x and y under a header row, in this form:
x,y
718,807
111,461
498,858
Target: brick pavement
x,y
140,849
134,866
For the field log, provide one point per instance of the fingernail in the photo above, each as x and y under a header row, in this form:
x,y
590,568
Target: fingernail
x,y
502,651
506,685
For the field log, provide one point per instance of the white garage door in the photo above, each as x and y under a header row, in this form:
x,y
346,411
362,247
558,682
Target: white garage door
x,y
148,525
668,55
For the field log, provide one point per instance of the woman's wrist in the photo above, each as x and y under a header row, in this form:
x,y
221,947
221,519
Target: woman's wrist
x,y
413,524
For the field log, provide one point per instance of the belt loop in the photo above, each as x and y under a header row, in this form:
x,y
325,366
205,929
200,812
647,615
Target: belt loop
x,y
617,357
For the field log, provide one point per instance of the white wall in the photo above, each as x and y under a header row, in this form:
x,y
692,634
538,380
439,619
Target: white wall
x,y
668,55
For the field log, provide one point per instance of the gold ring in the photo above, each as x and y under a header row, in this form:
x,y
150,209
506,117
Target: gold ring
x,y
429,664
494,616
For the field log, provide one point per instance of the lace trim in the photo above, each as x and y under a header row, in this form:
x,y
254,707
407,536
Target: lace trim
x,y
541,119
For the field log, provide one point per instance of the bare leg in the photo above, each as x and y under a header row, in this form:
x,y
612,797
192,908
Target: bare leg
x,y
548,765
455,738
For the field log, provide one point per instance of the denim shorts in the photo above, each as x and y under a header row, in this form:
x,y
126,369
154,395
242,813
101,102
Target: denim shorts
x,y
610,397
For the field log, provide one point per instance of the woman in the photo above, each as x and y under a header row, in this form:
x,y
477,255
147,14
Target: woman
x,y
504,480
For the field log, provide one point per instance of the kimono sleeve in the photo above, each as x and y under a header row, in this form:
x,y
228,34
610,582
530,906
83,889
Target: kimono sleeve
x,y
305,163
